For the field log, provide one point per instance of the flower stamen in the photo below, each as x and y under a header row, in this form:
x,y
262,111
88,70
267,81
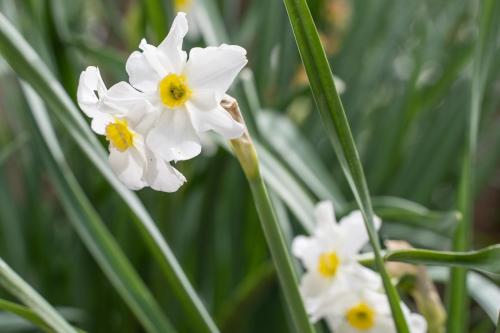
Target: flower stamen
x,y
119,135
174,90
328,264
361,316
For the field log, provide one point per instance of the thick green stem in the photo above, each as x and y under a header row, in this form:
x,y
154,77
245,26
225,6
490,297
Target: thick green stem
x,y
280,254
247,156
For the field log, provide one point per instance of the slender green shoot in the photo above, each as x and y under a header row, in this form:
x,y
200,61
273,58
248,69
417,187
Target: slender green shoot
x,y
458,302
337,127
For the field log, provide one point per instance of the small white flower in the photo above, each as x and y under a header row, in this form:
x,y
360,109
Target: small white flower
x,y
185,93
367,311
329,257
124,117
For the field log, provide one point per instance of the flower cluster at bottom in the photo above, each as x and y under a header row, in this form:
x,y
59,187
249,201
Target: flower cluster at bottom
x,y
335,287
159,116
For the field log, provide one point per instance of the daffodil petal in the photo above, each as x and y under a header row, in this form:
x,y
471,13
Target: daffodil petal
x,y
324,214
353,228
145,69
100,121
307,249
417,323
174,138
161,176
90,88
128,167
171,46
215,68
123,100
206,114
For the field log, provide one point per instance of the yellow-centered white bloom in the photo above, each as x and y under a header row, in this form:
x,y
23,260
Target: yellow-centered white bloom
x,y
185,93
329,256
124,116
367,311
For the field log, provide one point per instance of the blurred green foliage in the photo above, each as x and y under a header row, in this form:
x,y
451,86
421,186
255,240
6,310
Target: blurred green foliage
x,y
407,69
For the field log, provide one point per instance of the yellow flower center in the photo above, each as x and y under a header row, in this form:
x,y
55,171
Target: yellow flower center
x,y
328,264
174,90
361,316
120,135
182,5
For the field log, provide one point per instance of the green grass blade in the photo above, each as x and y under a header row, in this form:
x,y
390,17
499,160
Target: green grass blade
x,y
486,260
300,156
26,63
489,29
25,313
91,228
337,127
28,314
26,294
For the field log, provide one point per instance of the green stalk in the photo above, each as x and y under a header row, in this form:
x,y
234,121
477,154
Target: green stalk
x,y
28,314
334,119
245,151
458,301
23,291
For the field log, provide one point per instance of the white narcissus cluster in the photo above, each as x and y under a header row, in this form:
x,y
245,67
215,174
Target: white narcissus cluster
x,y
171,100
335,287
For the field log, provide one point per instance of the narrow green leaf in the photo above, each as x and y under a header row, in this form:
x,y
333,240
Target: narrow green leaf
x,y
338,130
25,313
394,209
292,146
26,63
91,228
10,148
486,260
15,285
485,49
30,315
158,14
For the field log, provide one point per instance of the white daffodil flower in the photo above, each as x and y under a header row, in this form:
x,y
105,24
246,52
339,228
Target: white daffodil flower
x,y
367,311
185,92
124,117
329,256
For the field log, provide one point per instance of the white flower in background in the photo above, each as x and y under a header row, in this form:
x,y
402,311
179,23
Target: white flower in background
x,y
367,311
192,9
124,117
185,93
329,256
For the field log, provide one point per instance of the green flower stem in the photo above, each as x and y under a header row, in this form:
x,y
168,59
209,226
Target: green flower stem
x,y
247,156
458,302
